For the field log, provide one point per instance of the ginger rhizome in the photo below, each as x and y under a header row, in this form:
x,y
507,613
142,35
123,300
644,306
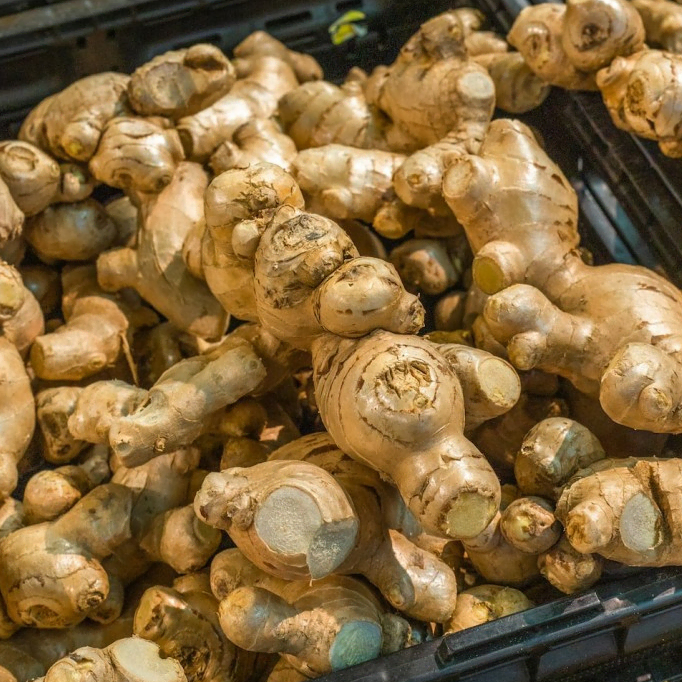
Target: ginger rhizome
x,y
484,603
662,22
183,621
294,520
70,123
17,415
130,659
567,44
21,318
642,94
199,75
327,625
549,308
155,268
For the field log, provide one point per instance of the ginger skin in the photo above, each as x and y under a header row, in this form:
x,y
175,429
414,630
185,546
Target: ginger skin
x,y
567,44
199,75
339,523
625,354
126,660
418,443
662,22
642,94
69,124
484,603
11,216
21,319
327,625
72,232
155,268
17,415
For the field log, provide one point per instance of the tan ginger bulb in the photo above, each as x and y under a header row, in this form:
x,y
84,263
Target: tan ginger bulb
x,y
228,274
497,560
155,268
260,43
30,174
320,113
173,412
431,266
54,406
72,232
283,671
449,311
490,386
327,625
45,284
518,89
569,570
567,44
94,333
66,553
17,415
344,182
261,139
315,537
484,603
97,405
626,355
126,660
395,219
290,518
254,95
52,492
180,82
183,622
455,93
11,216
642,94
662,22
69,124
125,216
136,154
21,319
416,438
551,453
529,524
624,510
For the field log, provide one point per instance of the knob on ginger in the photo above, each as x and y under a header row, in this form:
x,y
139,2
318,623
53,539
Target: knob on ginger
x,y
549,308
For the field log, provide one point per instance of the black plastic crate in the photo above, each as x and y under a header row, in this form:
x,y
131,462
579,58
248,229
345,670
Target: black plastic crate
x,y
628,630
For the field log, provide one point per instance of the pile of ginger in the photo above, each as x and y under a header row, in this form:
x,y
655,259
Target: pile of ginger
x,y
296,374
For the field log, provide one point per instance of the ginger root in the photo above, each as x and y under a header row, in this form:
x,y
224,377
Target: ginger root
x,y
45,285
569,570
642,94
94,333
332,624
66,556
254,95
32,176
72,232
183,622
484,603
17,415
21,319
662,22
567,44
137,154
155,268
261,139
52,492
416,439
175,407
126,660
11,217
625,354
70,123
181,82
